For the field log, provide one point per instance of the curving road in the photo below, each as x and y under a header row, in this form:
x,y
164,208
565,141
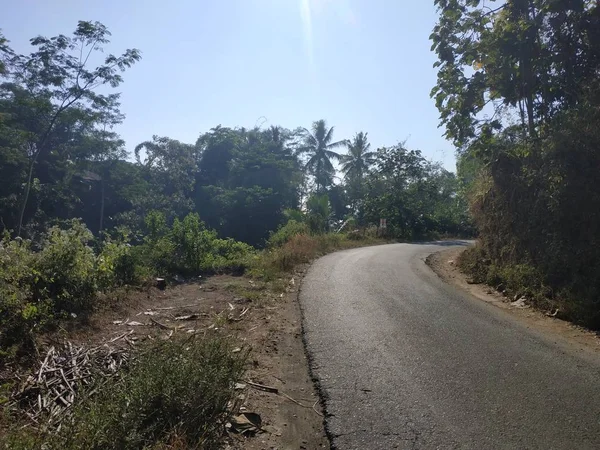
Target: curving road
x,y
406,361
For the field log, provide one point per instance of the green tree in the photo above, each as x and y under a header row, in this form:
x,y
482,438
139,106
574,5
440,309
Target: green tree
x,y
81,142
355,164
417,197
521,62
246,181
55,78
317,145
518,93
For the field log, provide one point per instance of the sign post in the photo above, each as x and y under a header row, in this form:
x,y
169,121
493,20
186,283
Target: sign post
x,y
382,226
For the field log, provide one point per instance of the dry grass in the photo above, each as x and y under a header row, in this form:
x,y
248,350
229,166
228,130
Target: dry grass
x,y
302,249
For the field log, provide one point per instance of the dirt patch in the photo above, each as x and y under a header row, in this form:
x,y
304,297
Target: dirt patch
x,y
563,333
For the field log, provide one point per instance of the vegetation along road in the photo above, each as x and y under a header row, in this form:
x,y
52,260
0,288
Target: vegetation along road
x,y
406,361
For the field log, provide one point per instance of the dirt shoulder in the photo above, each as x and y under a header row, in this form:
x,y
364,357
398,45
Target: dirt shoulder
x,y
292,419
559,331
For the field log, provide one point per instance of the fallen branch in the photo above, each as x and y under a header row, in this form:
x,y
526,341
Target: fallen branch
x,y
121,336
262,387
161,325
274,390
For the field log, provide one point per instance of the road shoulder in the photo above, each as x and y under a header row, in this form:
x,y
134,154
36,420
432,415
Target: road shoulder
x,y
563,333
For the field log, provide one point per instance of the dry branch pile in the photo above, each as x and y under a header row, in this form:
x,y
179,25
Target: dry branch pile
x,y
47,394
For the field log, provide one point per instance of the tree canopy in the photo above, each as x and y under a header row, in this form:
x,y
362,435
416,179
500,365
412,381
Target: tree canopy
x,y
61,159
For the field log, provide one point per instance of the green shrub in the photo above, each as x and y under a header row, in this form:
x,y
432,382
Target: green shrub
x,y
38,287
286,232
229,255
19,313
189,248
67,269
65,276
294,214
119,264
330,241
193,245
318,211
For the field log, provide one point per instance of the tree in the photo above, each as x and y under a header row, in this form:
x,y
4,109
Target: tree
x,y
246,181
6,53
80,141
318,146
57,79
521,62
355,164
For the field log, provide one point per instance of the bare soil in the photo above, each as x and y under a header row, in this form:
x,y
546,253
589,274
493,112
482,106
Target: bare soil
x,y
564,333
264,318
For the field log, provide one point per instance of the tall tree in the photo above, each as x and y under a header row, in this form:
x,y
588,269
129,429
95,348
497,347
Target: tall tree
x,y
355,164
57,77
318,145
246,180
358,159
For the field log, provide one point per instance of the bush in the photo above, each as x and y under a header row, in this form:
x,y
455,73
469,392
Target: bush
x,y
230,256
66,268
301,249
330,242
65,276
318,212
474,262
119,264
19,312
189,248
286,232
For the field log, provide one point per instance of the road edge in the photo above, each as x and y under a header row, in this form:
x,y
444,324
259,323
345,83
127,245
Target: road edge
x,y
323,396
563,333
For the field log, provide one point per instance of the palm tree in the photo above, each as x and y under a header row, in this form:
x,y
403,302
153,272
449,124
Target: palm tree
x,y
317,144
356,163
359,158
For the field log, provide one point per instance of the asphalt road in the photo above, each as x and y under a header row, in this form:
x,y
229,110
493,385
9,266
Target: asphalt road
x,y
406,361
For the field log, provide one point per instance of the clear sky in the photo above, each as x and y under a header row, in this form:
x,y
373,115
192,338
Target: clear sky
x,y
363,65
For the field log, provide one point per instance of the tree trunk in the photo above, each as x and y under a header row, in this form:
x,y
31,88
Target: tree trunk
x,y
27,191
101,206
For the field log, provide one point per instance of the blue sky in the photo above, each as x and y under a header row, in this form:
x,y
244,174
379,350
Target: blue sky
x,y
363,65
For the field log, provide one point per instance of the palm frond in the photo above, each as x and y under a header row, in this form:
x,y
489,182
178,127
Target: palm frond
x,y
319,131
338,144
331,155
328,136
328,166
